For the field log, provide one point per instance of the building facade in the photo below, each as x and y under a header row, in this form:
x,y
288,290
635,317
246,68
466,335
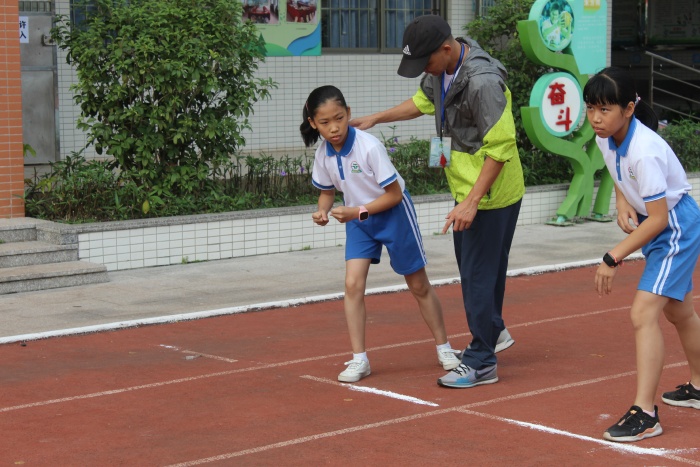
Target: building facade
x,y
11,147
367,77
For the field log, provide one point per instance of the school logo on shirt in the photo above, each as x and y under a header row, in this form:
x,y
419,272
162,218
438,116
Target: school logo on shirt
x,y
355,168
631,174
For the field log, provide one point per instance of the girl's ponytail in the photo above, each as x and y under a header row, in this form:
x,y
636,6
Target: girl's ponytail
x,y
308,133
646,115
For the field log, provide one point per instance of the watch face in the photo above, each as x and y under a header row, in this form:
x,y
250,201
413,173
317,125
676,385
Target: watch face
x,y
609,260
364,216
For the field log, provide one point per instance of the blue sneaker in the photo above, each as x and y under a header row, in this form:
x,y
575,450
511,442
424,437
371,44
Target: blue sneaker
x,y
467,377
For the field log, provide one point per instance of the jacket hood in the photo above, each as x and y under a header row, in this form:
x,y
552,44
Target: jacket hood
x,y
478,62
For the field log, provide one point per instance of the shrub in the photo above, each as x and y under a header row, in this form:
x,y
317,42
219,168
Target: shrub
x,y
684,138
497,34
77,190
165,87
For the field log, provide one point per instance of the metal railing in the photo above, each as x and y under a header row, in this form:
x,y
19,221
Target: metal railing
x,y
693,89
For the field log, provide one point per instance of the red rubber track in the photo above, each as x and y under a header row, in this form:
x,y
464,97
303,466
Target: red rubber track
x,y
260,388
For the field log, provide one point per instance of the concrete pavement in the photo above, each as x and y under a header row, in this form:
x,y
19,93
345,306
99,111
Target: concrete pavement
x,y
197,290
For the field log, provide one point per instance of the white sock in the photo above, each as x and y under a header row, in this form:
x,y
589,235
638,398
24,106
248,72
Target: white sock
x,y
445,346
651,414
696,387
360,356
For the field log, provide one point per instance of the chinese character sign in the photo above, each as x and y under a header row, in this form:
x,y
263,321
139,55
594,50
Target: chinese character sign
x,y
559,98
24,30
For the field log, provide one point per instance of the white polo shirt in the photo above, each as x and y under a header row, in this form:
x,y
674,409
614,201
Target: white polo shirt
x,y
360,170
644,167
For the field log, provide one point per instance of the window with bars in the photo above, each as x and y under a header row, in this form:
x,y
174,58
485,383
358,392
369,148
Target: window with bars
x,y
370,25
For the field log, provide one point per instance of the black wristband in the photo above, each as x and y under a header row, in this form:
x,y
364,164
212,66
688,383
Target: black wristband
x,y
610,260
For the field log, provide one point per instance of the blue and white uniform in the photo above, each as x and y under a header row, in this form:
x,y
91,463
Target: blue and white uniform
x,y
646,169
361,170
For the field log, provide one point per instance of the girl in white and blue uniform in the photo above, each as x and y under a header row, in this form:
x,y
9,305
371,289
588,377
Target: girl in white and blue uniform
x,y
655,208
377,212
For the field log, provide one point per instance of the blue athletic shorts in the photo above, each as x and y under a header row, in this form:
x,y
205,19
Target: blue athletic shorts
x,y
672,255
397,229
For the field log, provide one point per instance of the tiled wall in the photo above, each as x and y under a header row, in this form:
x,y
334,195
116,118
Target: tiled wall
x,y
11,148
128,245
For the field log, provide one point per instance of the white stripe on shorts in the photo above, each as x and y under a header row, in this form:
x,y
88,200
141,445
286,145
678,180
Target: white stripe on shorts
x,y
674,247
413,219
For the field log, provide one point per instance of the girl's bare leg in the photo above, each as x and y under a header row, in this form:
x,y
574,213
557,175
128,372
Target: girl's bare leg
x,y
646,310
428,303
355,313
683,316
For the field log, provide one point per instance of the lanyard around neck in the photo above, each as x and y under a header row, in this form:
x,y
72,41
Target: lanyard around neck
x,y
443,91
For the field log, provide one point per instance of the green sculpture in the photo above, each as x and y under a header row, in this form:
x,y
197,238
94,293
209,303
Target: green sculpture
x,y
580,148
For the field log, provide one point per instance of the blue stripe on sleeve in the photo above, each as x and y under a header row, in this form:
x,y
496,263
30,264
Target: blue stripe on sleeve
x,y
655,197
322,187
388,181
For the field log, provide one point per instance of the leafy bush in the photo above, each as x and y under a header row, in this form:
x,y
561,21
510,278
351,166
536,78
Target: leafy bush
x,y
77,190
497,34
684,138
411,160
165,88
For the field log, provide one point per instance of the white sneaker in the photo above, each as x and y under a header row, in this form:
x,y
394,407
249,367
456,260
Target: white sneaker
x,y
448,359
504,340
356,370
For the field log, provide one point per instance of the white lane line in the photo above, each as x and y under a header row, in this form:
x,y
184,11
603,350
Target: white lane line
x,y
265,306
458,409
213,357
306,439
265,367
199,354
380,392
622,447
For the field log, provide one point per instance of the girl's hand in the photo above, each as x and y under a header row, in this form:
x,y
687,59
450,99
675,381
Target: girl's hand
x,y
344,214
320,218
626,215
604,278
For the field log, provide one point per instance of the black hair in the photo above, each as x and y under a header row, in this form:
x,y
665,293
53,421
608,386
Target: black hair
x,y
317,98
615,86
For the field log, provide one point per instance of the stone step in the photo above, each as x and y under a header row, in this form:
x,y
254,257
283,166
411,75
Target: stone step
x,y
20,229
33,252
50,276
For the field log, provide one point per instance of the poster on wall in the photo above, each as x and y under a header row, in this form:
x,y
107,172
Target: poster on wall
x,y
289,27
576,27
673,23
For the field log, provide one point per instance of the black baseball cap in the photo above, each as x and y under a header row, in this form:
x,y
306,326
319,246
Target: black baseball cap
x,y
423,36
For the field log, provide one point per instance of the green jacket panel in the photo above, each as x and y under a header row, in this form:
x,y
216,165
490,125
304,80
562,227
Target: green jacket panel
x,y
479,119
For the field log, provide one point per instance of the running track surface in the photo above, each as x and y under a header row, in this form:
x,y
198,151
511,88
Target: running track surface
x,y
260,388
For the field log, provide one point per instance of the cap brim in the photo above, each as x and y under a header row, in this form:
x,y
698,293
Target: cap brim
x,y
412,67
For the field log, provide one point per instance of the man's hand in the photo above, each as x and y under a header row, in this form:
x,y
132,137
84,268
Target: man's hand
x,y
460,218
363,123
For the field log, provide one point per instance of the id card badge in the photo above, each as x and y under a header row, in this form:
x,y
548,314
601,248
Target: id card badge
x,y
440,151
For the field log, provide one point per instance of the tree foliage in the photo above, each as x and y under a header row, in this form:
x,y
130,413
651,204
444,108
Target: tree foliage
x,y
497,34
165,87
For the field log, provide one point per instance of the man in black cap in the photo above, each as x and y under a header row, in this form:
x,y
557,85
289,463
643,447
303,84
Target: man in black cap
x,y
464,87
